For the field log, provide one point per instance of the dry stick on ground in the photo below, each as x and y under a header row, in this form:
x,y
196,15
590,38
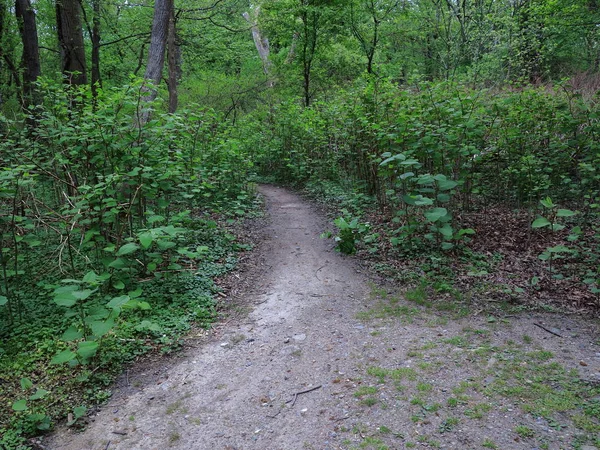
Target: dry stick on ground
x,y
317,272
303,392
546,329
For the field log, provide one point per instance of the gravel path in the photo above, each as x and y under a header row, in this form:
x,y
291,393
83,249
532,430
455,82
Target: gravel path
x,y
311,368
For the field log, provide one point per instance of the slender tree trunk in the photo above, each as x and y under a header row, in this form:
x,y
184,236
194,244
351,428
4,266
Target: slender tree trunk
x,y
6,53
261,43
310,23
96,77
156,53
70,38
31,51
173,56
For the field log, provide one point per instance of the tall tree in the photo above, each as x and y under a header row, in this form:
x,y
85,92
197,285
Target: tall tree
x,y
95,35
31,50
156,54
70,39
365,21
174,62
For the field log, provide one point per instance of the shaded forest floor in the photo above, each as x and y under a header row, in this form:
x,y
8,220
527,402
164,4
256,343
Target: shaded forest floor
x,y
317,354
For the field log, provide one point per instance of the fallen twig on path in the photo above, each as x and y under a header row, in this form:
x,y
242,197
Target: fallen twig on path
x,y
293,400
547,330
317,272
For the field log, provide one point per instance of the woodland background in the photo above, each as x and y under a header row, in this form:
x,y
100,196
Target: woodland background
x,y
457,139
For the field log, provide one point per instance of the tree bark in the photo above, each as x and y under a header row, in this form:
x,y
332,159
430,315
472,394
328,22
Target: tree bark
x,y
96,77
6,54
31,51
70,38
261,43
156,54
174,63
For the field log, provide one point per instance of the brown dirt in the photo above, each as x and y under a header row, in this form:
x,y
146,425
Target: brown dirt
x,y
323,362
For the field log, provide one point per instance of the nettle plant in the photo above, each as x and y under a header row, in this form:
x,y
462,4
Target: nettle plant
x,y
93,315
422,216
551,220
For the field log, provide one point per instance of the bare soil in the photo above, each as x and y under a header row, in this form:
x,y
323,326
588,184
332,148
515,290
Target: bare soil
x,y
322,359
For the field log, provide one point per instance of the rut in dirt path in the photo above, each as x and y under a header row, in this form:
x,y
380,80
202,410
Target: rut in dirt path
x,y
236,392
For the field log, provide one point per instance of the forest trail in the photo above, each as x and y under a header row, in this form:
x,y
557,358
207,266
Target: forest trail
x,y
320,363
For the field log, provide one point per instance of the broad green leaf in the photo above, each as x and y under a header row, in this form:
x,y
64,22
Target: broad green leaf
x,y
40,393
136,293
97,313
90,277
83,294
118,263
65,300
19,405
446,231
79,411
72,334
87,349
144,306
63,357
547,203
165,245
398,157
26,384
447,245
154,219
100,328
117,302
119,285
565,213
435,214
446,185
540,222
127,249
464,231
3,300
146,239
443,198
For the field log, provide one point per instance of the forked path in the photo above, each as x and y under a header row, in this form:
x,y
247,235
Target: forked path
x,y
302,371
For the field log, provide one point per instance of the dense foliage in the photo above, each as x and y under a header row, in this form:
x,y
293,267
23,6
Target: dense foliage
x,y
107,237
442,162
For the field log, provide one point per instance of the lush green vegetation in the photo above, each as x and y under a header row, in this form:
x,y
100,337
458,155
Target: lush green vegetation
x,y
112,236
459,140
442,163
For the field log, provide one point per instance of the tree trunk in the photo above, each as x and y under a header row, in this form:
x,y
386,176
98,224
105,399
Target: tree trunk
x,y
70,39
173,60
261,43
31,51
310,24
96,77
6,54
156,53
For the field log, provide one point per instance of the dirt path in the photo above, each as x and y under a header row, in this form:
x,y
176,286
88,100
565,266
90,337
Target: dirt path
x,y
325,361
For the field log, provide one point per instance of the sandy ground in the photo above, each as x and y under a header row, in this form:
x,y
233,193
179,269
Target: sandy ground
x,y
305,370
